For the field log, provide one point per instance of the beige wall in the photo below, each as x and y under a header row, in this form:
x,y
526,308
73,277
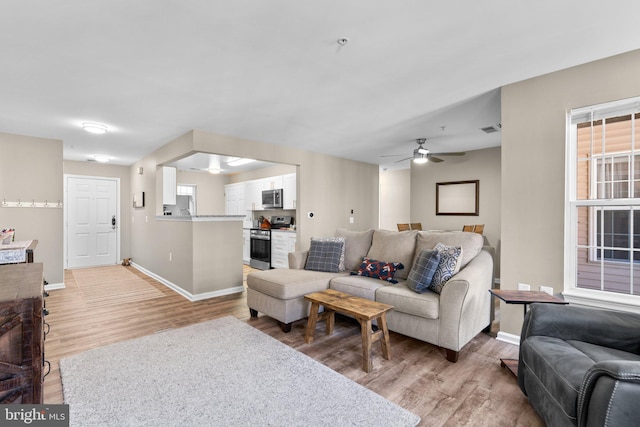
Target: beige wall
x,y
483,165
533,167
209,191
328,186
275,170
395,198
109,171
32,171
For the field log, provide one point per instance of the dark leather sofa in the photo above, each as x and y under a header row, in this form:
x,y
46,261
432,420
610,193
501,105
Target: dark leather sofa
x,y
580,366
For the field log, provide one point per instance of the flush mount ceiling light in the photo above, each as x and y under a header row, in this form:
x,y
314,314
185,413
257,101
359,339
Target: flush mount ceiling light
x,y
239,161
101,158
94,127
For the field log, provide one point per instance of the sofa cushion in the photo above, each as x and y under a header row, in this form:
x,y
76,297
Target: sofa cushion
x,y
423,269
356,246
405,300
450,260
471,243
363,287
392,246
286,284
378,269
324,255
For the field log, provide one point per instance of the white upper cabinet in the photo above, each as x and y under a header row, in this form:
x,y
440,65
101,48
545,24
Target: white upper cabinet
x,y
289,191
169,185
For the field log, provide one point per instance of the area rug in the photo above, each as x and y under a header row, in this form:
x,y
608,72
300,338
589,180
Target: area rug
x,y
112,285
222,372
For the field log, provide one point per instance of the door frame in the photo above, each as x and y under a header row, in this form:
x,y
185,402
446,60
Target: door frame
x,y
66,212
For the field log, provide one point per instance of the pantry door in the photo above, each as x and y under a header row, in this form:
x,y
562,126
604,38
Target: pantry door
x,y
92,221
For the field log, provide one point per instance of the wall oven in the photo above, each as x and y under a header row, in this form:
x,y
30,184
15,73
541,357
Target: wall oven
x,y
260,249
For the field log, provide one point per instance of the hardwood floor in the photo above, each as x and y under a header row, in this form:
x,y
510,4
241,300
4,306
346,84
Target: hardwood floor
x,y
475,391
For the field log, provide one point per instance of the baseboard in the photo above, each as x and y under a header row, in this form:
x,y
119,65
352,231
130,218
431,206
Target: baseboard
x,y
54,286
508,338
188,295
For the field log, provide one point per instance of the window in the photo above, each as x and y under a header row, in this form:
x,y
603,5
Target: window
x,y
603,201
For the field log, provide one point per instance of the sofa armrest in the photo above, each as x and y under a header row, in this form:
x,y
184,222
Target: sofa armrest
x,y
465,303
612,329
609,394
297,260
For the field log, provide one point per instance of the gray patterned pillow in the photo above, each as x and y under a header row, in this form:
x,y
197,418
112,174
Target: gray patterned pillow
x,y
450,260
423,270
334,239
324,256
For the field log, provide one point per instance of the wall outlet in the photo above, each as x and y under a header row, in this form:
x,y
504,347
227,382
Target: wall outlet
x,y
351,220
170,256
547,289
523,287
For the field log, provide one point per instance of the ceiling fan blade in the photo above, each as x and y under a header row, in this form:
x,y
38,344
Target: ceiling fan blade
x,y
435,159
391,155
398,161
459,153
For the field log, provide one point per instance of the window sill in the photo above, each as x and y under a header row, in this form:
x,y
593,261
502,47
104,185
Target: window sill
x,y
601,299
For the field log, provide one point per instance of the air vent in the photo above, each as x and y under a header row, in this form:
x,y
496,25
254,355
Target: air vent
x,y
492,129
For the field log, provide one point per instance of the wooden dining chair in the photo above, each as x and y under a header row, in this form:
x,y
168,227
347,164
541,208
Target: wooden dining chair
x,y
416,226
403,227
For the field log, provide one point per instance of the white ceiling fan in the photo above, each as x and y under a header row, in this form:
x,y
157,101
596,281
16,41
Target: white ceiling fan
x,y
422,155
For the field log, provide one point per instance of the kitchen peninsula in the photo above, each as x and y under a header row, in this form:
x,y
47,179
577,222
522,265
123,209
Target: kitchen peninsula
x,y
206,253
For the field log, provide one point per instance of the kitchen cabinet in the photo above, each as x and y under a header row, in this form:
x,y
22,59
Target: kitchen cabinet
x,y
253,196
282,242
271,183
169,185
247,196
246,246
234,199
289,191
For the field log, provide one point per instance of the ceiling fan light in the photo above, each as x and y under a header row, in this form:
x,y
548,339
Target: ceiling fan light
x,y
420,158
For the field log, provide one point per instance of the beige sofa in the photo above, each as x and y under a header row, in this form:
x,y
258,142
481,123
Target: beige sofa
x,y
449,320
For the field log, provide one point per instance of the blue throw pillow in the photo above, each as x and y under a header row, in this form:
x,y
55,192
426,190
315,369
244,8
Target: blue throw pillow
x,y
423,269
324,256
450,260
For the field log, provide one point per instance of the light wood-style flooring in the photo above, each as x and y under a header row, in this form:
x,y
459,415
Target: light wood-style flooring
x,y
475,391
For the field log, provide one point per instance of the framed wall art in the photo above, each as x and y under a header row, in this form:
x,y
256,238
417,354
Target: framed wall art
x,y
458,198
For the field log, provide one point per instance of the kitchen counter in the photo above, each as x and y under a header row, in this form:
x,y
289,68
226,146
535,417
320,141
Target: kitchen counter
x,y
200,218
283,230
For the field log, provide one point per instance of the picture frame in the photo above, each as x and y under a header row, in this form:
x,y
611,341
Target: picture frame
x,y
138,200
458,198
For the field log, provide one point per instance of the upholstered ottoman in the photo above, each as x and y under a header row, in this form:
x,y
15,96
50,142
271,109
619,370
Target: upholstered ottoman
x,y
280,293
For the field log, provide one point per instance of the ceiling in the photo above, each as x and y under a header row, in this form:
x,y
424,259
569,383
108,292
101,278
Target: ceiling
x,y
273,71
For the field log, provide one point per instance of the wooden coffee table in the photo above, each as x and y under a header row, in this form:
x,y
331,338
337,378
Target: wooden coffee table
x,y
362,309
525,298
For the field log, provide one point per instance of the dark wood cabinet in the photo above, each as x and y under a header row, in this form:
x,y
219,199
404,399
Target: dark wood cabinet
x,y
21,333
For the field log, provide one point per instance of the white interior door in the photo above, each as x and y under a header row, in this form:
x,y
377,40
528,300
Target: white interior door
x,y
92,221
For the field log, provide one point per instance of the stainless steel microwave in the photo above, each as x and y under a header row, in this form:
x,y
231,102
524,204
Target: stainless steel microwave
x,y
272,199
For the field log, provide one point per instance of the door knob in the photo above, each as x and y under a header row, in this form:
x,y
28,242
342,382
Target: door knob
x,y
113,222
